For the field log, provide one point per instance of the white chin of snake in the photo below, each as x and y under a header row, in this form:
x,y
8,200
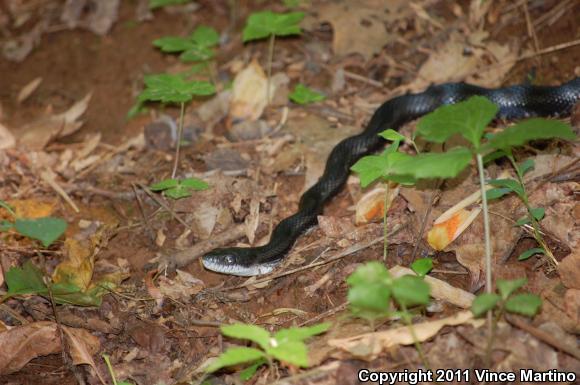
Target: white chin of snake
x,y
241,271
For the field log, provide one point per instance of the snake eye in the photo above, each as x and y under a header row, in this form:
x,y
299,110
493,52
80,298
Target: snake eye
x,y
230,259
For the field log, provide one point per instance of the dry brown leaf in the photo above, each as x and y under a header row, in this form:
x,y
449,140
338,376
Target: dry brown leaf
x,y
348,16
252,219
38,134
569,270
77,266
28,89
21,344
335,227
369,346
83,345
249,93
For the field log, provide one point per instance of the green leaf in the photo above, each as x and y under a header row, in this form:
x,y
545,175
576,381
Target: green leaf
x,y
526,304
162,3
305,95
369,290
493,156
526,166
173,44
531,129
25,280
263,24
392,135
538,213
468,118
511,184
249,372
205,36
496,193
46,230
435,165
483,303
5,225
248,332
528,253
235,356
291,352
300,333
373,167
410,290
164,185
507,287
422,266
197,53
195,184
178,192
173,89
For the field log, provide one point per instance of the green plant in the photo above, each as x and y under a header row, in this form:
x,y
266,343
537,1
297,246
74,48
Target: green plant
x,y
46,229
286,345
179,188
168,88
506,301
305,95
29,280
383,167
163,3
265,24
197,47
422,266
371,289
469,119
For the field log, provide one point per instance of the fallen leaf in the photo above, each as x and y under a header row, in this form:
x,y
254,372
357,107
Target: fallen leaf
x,y
21,344
370,207
249,93
348,16
372,344
569,270
443,233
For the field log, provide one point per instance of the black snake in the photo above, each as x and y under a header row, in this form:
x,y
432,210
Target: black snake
x,y
514,102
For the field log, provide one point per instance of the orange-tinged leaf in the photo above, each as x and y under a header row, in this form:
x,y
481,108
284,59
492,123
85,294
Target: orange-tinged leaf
x,y
78,266
371,205
31,208
443,233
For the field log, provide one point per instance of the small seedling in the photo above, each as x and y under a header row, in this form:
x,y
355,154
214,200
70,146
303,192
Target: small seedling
x,y
383,167
168,88
371,289
286,345
198,47
265,24
179,188
46,229
305,95
506,301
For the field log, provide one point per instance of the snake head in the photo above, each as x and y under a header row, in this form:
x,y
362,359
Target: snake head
x,y
236,261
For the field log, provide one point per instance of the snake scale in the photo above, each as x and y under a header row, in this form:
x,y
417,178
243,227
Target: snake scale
x,y
514,102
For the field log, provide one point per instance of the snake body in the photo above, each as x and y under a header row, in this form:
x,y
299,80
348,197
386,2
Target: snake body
x,y
514,102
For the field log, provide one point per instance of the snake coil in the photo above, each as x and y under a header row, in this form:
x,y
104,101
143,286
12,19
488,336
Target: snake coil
x,y
515,102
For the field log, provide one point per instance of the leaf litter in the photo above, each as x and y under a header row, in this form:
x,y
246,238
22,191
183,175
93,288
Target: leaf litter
x,y
258,158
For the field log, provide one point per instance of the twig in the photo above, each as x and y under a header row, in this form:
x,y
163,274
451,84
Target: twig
x,y
185,257
544,336
162,204
178,142
49,177
327,313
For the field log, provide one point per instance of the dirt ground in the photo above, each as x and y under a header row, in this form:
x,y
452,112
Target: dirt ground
x,y
159,328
